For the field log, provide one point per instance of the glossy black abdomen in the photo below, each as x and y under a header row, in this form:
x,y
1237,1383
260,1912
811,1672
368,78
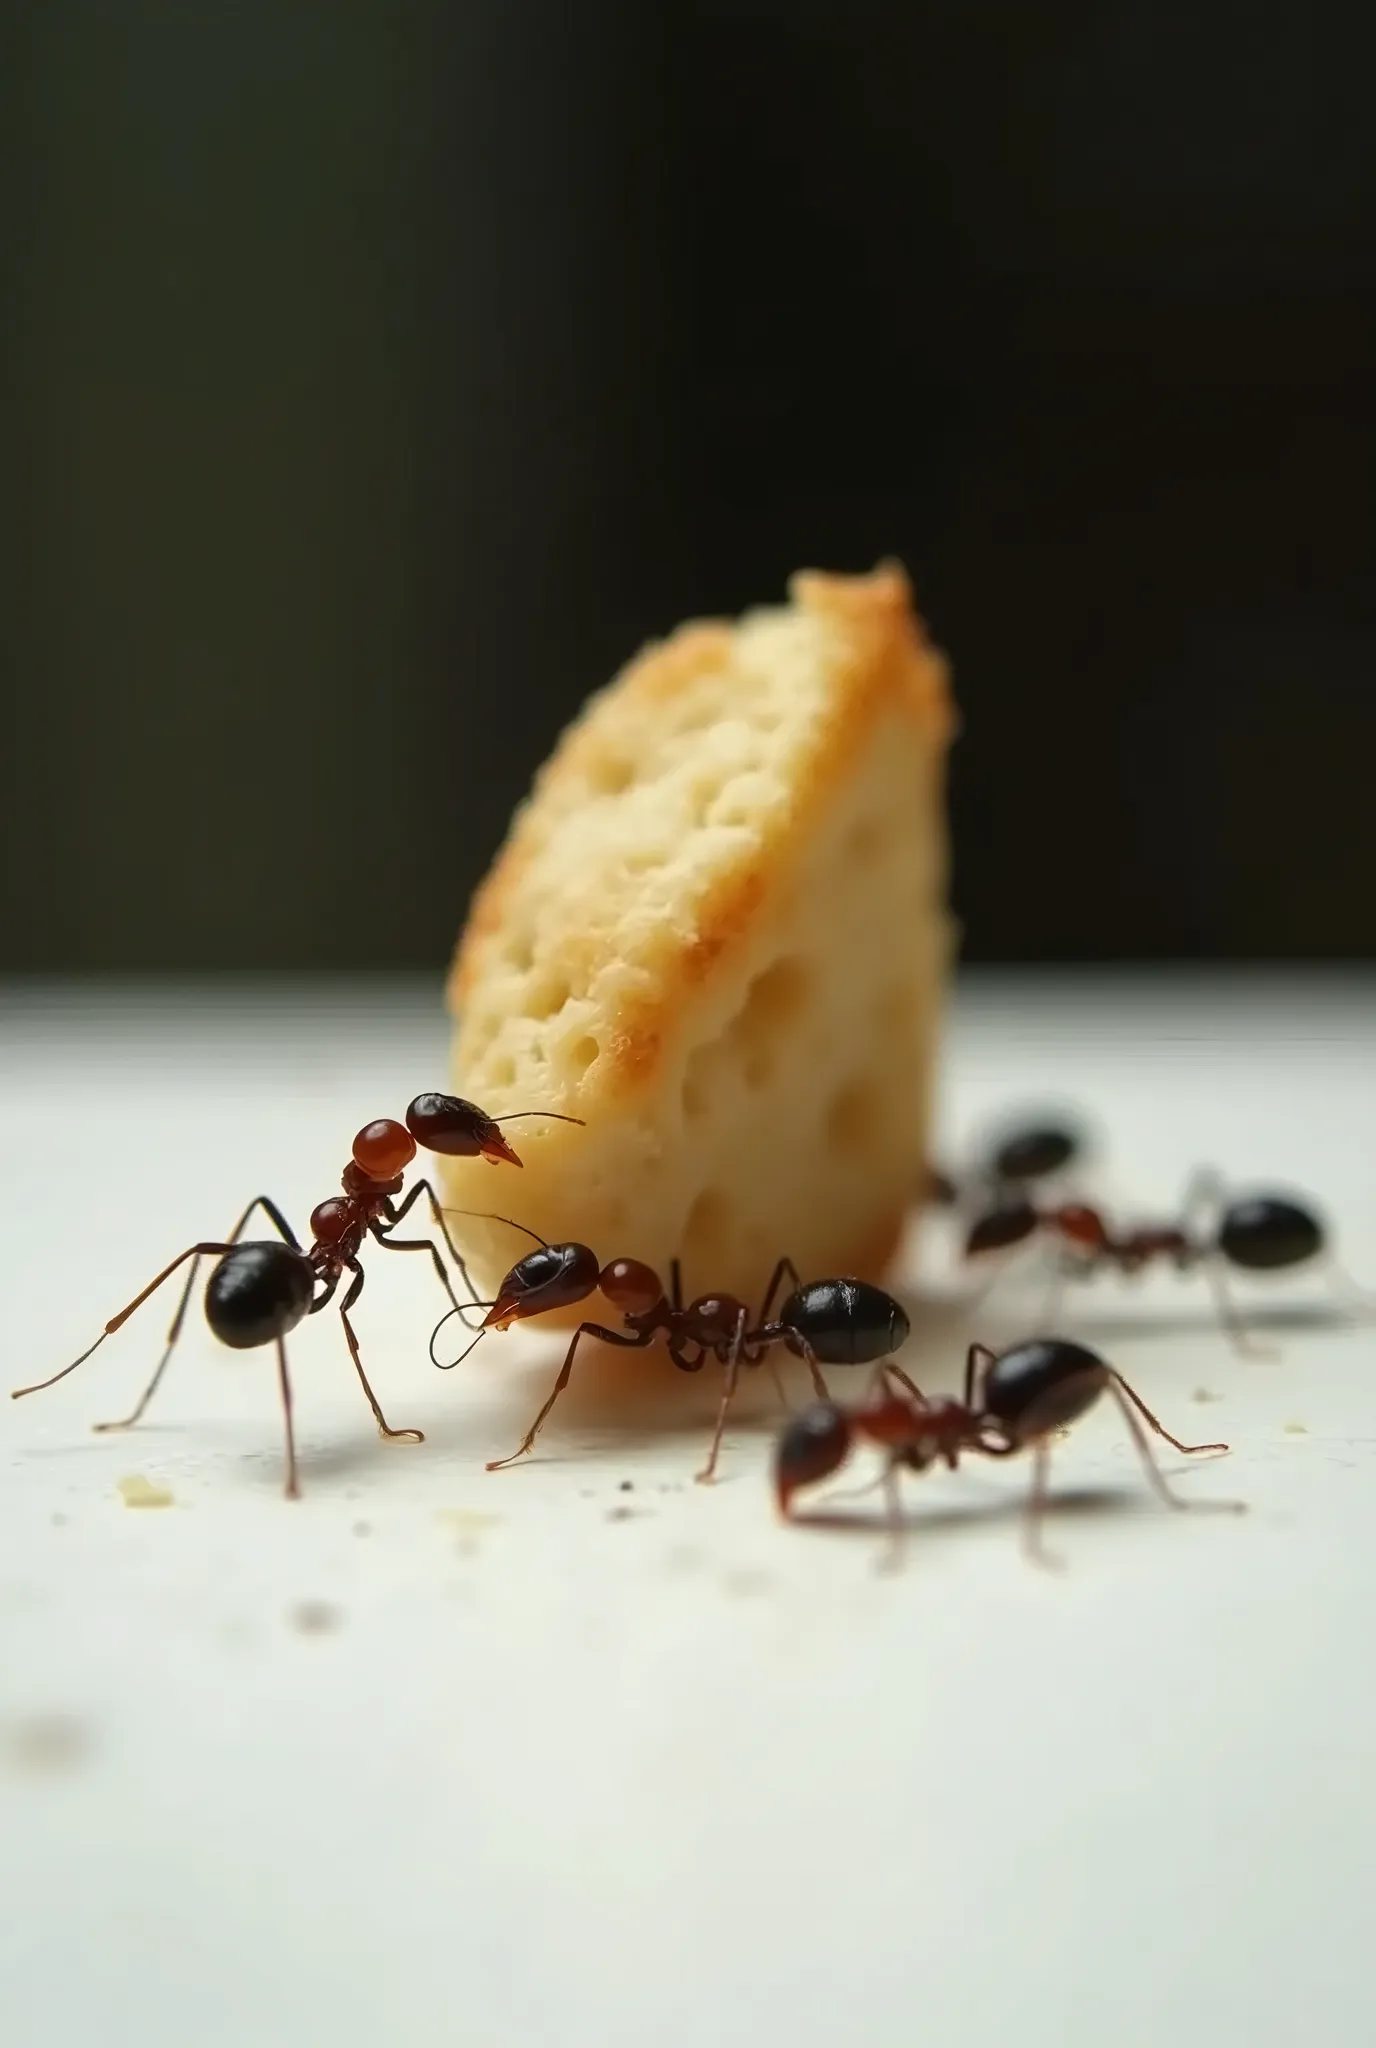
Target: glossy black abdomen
x,y
846,1322
1042,1385
257,1292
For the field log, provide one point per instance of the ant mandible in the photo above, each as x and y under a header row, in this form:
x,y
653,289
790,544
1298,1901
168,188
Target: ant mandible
x,y
826,1322
1023,1397
260,1290
1024,1154
1258,1233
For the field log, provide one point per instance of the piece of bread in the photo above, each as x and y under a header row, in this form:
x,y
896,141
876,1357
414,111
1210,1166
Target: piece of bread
x,y
718,932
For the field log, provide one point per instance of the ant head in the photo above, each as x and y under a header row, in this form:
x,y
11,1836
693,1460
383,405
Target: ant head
x,y
810,1448
555,1276
383,1150
1007,1223
631,1286
458,1129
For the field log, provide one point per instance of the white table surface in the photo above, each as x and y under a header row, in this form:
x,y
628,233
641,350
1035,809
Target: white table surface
x,y
443,1756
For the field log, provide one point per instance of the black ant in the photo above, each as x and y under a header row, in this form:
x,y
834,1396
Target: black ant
x,y
826,1322
261,1290
1259,1233
1024,1396
1024,1154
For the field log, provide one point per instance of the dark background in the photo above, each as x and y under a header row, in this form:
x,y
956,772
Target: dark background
x,y
377,376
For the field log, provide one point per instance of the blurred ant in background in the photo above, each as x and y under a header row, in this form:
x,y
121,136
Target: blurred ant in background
x,y
1027,1152
1255,1233
261,1289
823,1322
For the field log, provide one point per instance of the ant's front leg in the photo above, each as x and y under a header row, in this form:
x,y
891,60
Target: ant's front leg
x,y
383,1234
632,1341
728,1394
402,1436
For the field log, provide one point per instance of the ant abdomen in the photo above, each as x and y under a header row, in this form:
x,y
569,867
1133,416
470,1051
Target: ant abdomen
x,y
846,1322
257,1292
1263,1234
1045,1384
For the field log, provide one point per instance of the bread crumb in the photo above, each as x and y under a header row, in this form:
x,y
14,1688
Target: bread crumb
x,y
1205,1394
48,1742
316,1617
137,1492
1296,1429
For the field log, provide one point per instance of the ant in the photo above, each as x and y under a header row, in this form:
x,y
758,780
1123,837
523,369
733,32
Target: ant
x,y
1026,1153
260,1290
1260,1233
826,1322
1024,1397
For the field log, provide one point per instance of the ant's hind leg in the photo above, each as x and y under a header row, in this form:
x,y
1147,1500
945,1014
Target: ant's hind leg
x,y
728,1394
1036,1550
384,1427
1134,1407
292,1486
193,1252
284,1231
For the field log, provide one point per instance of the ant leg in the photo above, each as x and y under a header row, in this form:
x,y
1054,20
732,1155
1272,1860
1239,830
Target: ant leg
x,y
194,1251
676,1286
284,1230
1127,1396
633,1342
785,1266
976,1354
1238,1334
728,1394
800,1348
1036,1550
292,1487
423,1187
384,1427
1205,1189
893,1516
423,1244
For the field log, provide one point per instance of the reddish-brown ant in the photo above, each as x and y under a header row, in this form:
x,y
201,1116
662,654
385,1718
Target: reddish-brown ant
x,y
826,1322
1259,1233
260,1290
1023,1397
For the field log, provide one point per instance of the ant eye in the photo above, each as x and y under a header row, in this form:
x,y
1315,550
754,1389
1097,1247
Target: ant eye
x,y
384,1149
458,1129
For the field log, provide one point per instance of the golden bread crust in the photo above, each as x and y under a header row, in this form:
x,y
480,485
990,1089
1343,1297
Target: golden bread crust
x,y
727,885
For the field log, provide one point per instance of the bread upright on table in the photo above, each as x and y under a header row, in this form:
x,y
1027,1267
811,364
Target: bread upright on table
x,y
717,931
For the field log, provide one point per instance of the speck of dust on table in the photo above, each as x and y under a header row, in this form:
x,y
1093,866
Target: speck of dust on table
x,y
580,1752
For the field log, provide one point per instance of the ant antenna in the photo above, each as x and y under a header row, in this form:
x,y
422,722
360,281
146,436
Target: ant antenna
x,y
514,1117
443,1365
490,1216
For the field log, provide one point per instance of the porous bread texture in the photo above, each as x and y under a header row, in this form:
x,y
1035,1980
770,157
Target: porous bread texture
x,y
717,931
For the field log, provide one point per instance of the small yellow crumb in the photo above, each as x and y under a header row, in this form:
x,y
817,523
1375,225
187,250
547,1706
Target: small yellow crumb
x,y
466,1520
1297,1429
138,1492
1205,1394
